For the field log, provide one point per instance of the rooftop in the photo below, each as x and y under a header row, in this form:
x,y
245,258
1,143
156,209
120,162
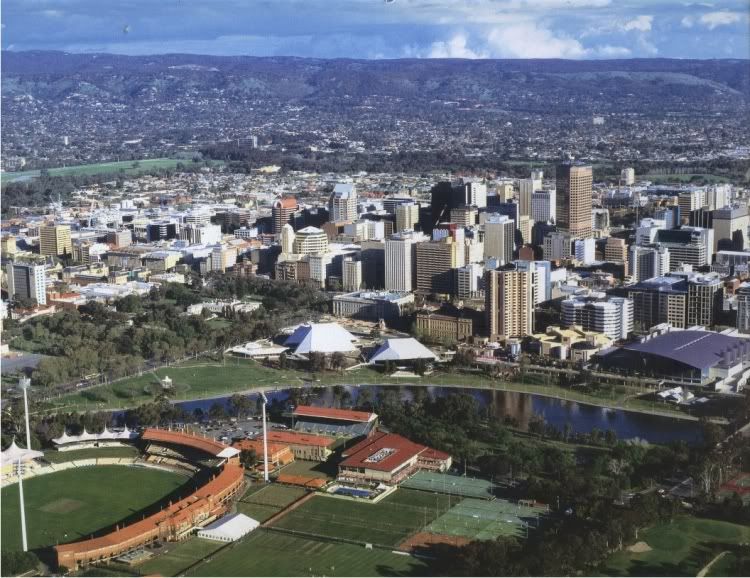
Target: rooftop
x,y
333,413
382,451
699,349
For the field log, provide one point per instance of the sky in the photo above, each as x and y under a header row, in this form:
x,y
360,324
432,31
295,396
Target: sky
x,y
373,29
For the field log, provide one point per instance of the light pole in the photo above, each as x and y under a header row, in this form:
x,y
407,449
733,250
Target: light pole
x,y
20,472
265,439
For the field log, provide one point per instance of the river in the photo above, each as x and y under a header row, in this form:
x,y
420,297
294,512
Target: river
x,y
520,406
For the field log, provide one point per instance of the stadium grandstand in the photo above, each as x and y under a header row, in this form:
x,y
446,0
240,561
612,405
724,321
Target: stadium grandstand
x,y
107,438
332,421
216,461
389,459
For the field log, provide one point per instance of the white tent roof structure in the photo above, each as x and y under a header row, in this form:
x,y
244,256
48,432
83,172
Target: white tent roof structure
x,y
402,349
15,453
107,434
320,337
229,528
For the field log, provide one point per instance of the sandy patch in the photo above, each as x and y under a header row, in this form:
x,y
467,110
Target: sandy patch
x,y
639,547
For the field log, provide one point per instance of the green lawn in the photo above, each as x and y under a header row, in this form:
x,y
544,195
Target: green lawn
x,y
266,553
70,505
261,502
179,556
678,549
387,522
312,469
195,379
144,165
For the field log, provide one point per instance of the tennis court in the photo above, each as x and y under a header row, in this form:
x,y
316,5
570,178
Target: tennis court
x,y
451,484
486,520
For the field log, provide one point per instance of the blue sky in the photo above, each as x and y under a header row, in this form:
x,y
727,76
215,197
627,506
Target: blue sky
x,y
579,29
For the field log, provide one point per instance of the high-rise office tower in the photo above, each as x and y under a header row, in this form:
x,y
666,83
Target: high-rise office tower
x,y
743,307
351,275
437,262
287,239
309,241
526,189
282,212
509,302
407,216
705,299
627,176
342,205
54,240
543,206
400,260
27,280
648,262
499,237
573,192
730,225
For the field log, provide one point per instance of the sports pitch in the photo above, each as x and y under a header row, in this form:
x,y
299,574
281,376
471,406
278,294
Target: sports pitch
x,y
387,522
268,553
72,504
264,502
485,520
451,484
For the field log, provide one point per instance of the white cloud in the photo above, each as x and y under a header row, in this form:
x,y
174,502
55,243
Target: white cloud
x,y
531,40
688,21
642,23
456,47
723,18
609,51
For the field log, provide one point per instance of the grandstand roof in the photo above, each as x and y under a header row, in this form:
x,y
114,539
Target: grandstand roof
x,y
382,451
320,337
86,436
698,349
207,445
334,413
291,437
402,349
15,453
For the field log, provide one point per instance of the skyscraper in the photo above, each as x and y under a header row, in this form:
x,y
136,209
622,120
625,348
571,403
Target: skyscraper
x,y
342,205
437,262
573,192
509,302
543,206
526,189
400,260
282,212
54,240
407,216
499,237
27,280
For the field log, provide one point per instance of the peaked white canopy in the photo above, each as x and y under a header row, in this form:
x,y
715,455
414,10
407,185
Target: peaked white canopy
x,y
15,453
320,337
402,349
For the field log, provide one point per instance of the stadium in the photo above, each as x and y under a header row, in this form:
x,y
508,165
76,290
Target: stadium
x,y
200,477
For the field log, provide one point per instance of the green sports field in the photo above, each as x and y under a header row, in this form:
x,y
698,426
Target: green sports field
x,y
486,520
179,556
677,549
262,503
267,553
125,167
451,484
70,505
387,523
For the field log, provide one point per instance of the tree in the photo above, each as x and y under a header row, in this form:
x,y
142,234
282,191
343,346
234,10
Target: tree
x,y
317,361
337,360
420,366
283,361
248,458
240,404
217,412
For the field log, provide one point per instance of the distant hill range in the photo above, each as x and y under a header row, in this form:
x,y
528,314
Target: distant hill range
x,y
543,86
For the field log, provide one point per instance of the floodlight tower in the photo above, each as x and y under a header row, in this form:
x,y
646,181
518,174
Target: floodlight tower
x,y
24,384
265,439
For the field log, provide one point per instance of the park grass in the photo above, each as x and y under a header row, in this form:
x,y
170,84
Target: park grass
x,y
267,553
680,548
72,504
56,457
118,167
387,522
201,380
179,556
262,501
